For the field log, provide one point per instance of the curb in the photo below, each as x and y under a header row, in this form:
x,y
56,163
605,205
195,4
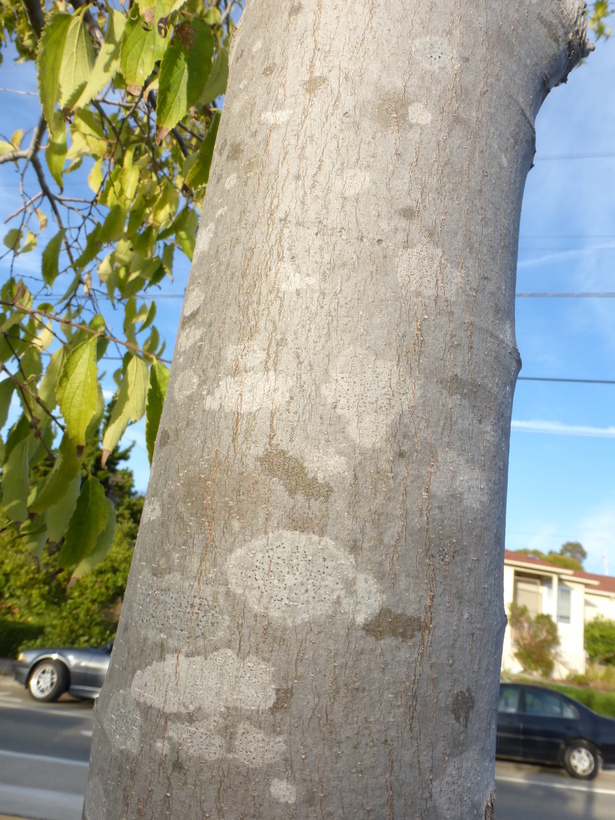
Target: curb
x,y
6,668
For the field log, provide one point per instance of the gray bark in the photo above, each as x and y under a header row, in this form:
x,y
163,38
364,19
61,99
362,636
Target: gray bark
x,y
314,617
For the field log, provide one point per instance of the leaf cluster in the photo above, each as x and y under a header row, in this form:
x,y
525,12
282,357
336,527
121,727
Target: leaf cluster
x,y
130,101
600,640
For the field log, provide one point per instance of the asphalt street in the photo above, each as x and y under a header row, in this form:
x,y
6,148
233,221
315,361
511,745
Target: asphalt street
x,y
44,751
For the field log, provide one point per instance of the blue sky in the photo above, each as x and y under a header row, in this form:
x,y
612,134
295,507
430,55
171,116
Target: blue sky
x,y
561,479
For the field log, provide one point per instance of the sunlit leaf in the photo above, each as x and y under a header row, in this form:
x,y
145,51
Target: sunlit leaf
x,y
199,171
184,71
77,60
51,257
77,390
130,404
108,61
49,61
55,153
158,381
49,382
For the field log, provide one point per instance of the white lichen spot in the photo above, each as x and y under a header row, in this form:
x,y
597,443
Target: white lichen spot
x,y
203,238
368,601
196,740
211,684
193,301
353,182
290,279
364,390
324,464
230,181
189,337
186,383
277,117
418,114
255,748
250,392
151,510
433,52
297,577
122,722
257,46
418,269
283,791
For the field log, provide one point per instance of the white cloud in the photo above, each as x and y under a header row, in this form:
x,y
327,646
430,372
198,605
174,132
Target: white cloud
x,y
555,428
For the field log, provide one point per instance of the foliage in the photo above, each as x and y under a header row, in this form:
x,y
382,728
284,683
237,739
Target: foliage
x,y
601,702
600,640
128,94
535,639
40,605
602,9
571,555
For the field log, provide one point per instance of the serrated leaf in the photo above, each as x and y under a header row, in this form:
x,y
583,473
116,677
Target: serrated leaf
x,y
77,60
102,545
77,390
184,71
198,174
49,382
51,257
108,61
142,46
15,482
67,465
49,61
6,394
87,522
58,516
55,153
130,404
158,382
218,78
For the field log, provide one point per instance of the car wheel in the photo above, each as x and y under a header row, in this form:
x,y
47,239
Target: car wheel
x,y
581,760
49,680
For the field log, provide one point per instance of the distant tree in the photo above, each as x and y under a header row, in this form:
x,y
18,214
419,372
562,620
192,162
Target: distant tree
x,y
535,639
574,550
600,640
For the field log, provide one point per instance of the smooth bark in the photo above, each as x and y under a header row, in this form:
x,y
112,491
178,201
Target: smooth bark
x,y
314,618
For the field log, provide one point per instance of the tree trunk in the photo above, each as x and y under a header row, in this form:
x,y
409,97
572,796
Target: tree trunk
x,y
314,618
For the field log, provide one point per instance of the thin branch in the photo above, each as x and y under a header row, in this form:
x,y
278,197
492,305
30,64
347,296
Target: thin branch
x,y
21,386
36,17
37,313
24,206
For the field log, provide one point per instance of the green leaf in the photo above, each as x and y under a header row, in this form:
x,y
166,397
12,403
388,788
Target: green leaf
x,y
108,61
67,465
49,61
12,239
102,545
86,524
55,153
49,382
15,482
198,174
29,243
77,390
58,516
97,417
114,225
77,60
6,394
184,71
158,382
51,257
142,45
130,404
216,84
33,535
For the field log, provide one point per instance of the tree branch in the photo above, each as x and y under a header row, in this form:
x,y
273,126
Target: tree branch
x,y
36,17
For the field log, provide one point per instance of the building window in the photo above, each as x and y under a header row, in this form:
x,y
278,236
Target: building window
x,y
527,593
564,605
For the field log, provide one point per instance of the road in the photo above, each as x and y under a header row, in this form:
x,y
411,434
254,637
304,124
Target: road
x,y
44,751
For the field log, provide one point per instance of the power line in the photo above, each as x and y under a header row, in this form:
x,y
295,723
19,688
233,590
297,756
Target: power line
x,y
571,381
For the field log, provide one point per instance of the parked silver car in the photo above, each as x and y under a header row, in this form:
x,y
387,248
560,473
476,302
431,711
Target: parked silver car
x,y
48,673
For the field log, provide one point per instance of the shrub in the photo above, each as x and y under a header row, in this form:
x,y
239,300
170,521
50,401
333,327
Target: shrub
x,y
535,639
600,640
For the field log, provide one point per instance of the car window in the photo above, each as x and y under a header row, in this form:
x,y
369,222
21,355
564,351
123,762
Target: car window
x,y
547,703
509,699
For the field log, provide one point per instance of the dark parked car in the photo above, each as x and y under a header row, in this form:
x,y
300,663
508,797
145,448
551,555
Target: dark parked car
x,y
543,726
48,673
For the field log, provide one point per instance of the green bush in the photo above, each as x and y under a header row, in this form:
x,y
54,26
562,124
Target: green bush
x,y
601,702
14,634
600,641
535,639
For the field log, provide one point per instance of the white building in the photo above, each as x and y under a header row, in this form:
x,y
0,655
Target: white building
x,y
570,597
